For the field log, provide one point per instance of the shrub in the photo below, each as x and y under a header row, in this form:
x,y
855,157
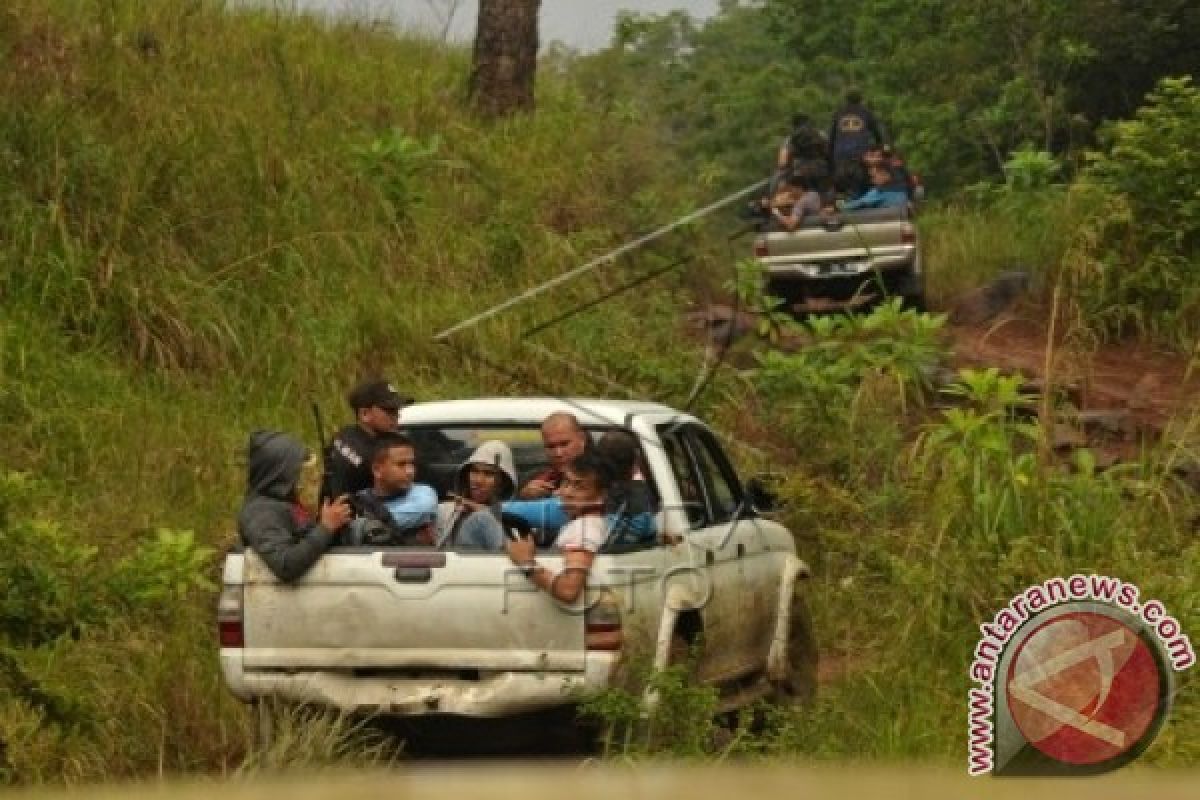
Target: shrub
x,y
1136,264
48,582
162,572
818,382
91,642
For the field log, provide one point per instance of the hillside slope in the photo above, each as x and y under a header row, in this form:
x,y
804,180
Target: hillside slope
x,y
212,219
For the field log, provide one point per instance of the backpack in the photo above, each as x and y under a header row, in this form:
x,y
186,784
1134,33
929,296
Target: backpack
x,y
807,143
374,525
809,153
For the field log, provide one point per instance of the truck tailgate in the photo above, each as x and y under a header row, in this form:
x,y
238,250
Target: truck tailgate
x,y
878,238
407,610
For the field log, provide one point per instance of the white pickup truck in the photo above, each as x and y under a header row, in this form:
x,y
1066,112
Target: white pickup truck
x,y
418,632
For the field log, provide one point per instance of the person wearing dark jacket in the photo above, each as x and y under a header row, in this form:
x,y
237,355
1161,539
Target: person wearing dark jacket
x,y
805,152
854,130
376,406
273,520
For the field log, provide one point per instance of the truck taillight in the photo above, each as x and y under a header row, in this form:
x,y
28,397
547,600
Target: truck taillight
x,y
760,248
602,624
229,617
908,235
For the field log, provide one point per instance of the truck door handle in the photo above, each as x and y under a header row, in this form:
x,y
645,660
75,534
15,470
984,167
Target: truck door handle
x,y
709,558
413,574
741,550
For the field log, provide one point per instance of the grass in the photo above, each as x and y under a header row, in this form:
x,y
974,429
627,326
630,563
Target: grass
x,y
217,218
969,243
920,524
931,538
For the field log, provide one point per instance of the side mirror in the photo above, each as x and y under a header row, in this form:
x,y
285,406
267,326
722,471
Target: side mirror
x,y
761,497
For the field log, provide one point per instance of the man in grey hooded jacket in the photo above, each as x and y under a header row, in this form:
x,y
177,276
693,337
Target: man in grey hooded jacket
x,y
273,520
472,520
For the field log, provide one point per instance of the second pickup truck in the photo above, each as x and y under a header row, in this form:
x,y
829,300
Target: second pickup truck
x,y
845,261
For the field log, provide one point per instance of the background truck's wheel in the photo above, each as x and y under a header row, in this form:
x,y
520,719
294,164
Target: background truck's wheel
x,y
799,681
911,291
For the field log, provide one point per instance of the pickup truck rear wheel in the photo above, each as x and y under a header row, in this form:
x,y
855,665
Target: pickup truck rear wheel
x,y
798,685
685,652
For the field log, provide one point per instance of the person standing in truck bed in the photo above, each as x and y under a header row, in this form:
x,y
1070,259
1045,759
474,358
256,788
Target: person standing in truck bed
x,y
805,152
376,405
853,131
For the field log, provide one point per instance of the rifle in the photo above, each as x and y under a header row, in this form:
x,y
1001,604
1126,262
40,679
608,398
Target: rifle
x,y
326,492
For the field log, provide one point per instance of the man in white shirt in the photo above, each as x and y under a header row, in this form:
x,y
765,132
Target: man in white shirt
x,y
584,494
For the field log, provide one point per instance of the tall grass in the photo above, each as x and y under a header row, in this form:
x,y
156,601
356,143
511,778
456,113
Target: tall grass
x,y
967,243
919,542
213,218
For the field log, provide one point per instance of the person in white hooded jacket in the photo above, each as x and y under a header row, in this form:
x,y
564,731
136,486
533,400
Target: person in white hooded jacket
x,y
471,519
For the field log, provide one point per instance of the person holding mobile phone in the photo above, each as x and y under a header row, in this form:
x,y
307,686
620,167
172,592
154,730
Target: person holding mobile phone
x,y
275,520
584,495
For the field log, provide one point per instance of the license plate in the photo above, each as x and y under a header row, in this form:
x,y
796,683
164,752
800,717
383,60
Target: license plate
x,y
848,268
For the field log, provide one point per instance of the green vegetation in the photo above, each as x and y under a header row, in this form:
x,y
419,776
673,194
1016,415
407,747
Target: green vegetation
x,y
920,524
1137,264
213,218
1049,133
961,85
928,539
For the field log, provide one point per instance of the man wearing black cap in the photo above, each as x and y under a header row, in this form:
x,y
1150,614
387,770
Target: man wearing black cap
x,y
376,407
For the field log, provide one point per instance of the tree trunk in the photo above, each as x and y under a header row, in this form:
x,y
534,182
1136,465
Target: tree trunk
x,y
505,59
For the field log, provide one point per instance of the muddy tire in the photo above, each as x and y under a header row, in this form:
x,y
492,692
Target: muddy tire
x,y
798,685
911,291
915,302
677,655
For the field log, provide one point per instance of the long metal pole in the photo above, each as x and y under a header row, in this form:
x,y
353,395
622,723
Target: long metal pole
x,y
607,258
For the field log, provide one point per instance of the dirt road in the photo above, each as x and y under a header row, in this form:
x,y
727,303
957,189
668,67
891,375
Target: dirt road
x,y
1144,385
1149,385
